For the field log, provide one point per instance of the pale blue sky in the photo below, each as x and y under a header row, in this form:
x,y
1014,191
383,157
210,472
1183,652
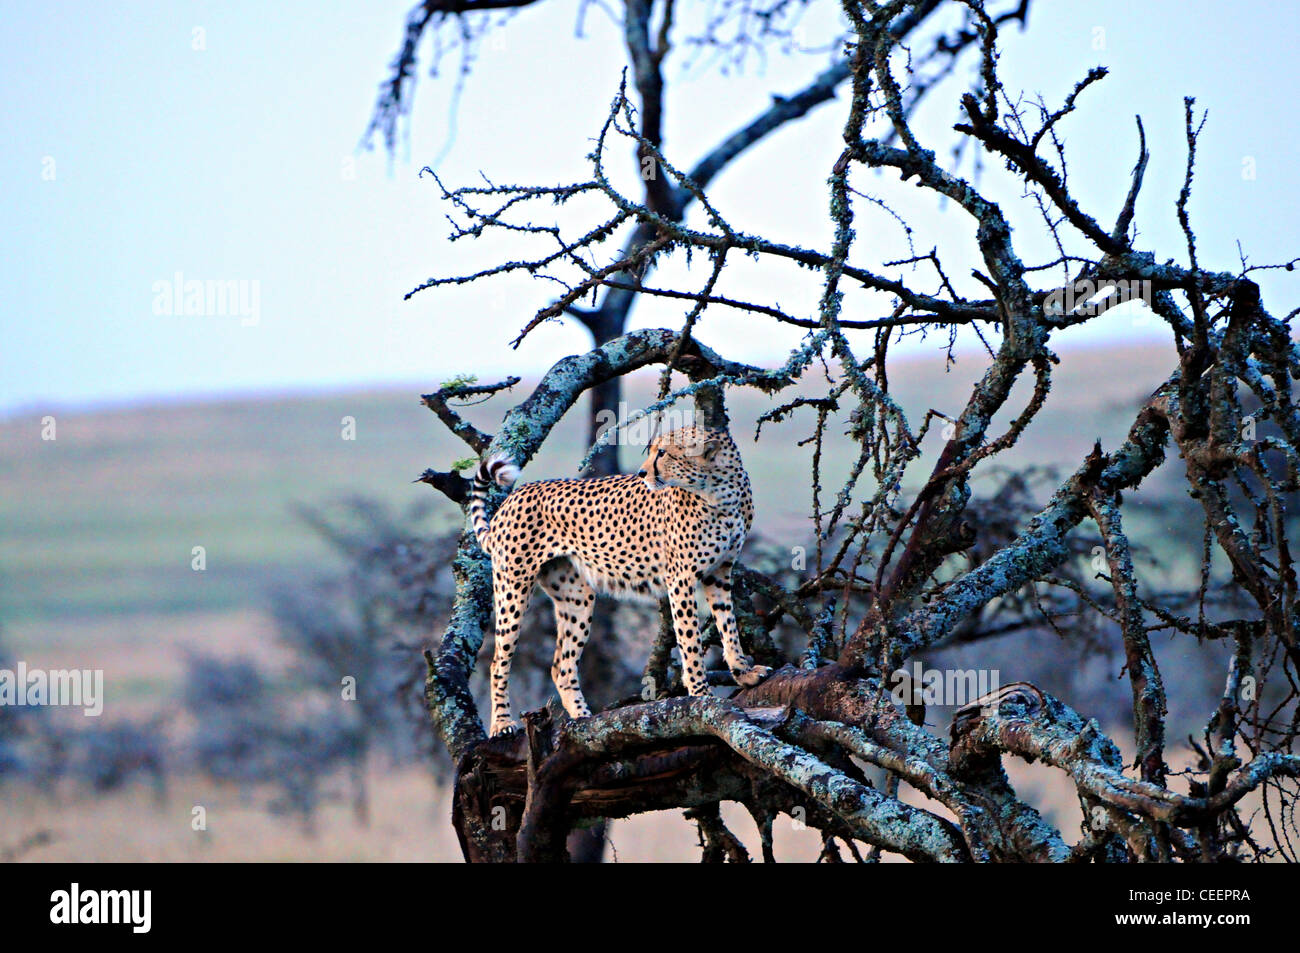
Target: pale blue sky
x,y
229,163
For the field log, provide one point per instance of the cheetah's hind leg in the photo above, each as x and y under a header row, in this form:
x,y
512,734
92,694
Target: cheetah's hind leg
x,y
574,600
510,598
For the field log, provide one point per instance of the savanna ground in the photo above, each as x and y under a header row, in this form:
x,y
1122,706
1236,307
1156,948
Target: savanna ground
x,y
97,530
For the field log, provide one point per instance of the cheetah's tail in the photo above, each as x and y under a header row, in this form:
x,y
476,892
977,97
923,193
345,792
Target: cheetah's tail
x,y
498,469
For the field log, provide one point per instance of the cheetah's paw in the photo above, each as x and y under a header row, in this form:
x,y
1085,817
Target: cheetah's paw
x,y
502,729
752,676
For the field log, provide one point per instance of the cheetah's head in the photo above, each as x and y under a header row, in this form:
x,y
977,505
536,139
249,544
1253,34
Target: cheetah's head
x,y
693,458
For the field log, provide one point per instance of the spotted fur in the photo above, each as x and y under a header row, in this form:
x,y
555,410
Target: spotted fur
x,y
677,524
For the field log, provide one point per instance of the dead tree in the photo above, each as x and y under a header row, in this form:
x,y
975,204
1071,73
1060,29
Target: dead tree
x,y
902,570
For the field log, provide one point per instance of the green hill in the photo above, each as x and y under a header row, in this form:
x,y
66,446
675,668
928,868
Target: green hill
x,y
104,519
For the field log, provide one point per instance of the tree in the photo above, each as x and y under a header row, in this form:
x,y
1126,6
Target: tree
x,y
908,558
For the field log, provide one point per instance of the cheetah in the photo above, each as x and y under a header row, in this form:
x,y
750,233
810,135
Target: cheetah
x,y
677,523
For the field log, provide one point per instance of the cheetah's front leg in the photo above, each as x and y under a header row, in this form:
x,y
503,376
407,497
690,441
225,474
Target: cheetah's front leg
x,y
687,629
717,589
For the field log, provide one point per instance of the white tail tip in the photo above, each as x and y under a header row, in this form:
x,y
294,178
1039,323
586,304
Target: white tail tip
x,y
501,470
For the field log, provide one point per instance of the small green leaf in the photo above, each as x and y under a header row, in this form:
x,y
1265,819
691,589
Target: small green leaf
x,y
459,381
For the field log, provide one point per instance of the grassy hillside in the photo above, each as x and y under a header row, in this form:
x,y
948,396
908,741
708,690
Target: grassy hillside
x,y
103,519
97,526
97,529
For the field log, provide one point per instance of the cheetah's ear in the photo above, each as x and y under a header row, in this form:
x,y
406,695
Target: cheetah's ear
x,y
710,450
